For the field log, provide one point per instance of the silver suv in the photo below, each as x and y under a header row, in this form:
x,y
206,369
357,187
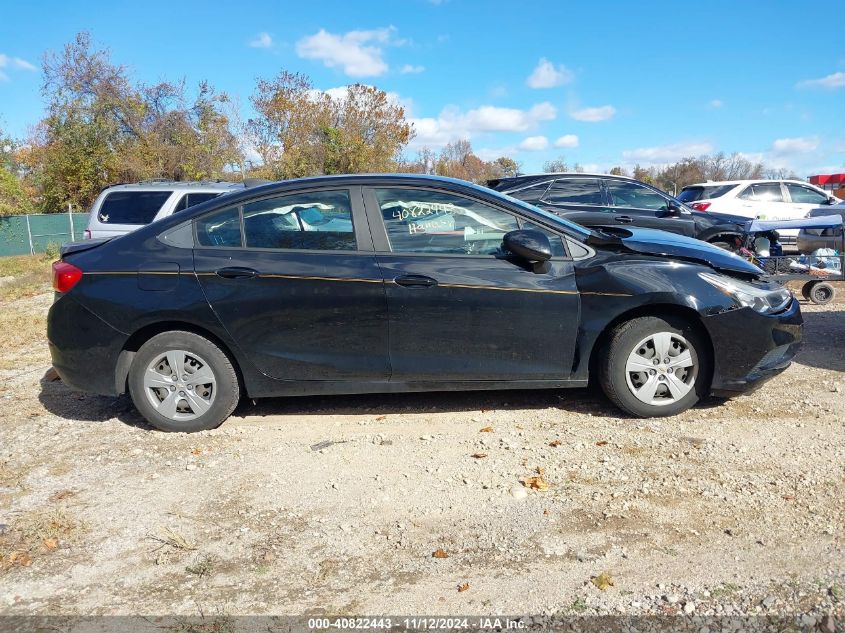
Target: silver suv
x,y
121,209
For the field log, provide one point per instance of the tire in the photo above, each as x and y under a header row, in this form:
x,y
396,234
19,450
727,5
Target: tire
x,y
727,246
202,399
674,387
806,288
822,293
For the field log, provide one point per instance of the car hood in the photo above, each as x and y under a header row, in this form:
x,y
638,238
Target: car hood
x,y
672,246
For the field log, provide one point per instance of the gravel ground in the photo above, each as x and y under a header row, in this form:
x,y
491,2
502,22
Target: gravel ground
x,y
425,503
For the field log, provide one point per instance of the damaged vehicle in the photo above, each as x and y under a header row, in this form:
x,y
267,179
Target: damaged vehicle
x,y
396,283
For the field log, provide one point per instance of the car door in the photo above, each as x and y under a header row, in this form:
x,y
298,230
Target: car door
x,y
293,279
639,205
766,201
460,308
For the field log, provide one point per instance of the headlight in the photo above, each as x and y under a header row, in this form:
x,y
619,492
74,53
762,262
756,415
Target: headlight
x,y
763,300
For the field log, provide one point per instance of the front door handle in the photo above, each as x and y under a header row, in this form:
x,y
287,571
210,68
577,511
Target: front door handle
x,y
236,272
624,219
415,281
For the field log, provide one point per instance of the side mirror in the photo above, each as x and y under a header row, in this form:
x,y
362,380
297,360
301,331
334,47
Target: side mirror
x,y
832,200
532,246
675,208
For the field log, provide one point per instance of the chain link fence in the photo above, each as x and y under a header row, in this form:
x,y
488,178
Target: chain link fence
x,y
38,232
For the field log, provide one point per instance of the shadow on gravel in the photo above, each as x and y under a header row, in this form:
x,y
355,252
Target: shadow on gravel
x,y
824,340
76,405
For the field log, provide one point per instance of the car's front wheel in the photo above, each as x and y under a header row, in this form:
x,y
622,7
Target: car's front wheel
x,y
180,381
653,366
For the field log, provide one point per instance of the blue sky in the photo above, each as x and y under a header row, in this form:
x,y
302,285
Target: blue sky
x,y
601,83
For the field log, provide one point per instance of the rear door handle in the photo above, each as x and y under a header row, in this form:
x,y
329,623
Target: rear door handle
x,y
236,272
415,281
624,219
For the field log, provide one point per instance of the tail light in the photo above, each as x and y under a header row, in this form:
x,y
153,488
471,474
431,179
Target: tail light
x,y
700,206
65,276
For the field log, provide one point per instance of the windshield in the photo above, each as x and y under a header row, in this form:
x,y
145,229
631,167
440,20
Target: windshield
x,y
551,217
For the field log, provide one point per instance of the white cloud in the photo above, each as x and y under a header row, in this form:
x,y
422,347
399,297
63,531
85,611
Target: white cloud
x,y
409,69
567,140
716,103
262,40
830,82
13,63
797,145
534,143
546,75
660,154
359,53
593,115
453,123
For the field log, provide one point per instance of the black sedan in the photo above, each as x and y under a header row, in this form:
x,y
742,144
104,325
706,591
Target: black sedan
x,y
389,283
598,200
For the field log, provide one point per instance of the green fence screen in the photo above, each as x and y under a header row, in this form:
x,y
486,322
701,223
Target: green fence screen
x,y
25,234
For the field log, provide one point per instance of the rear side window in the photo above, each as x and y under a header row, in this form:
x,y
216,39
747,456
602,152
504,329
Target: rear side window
x,y
575,191
131,207
763,192
692,194
321,220
222,228
190,199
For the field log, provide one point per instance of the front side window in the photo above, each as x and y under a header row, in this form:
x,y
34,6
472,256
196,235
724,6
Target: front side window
x,y
575,191
763,192
131,207
530,194
436,222
805,195
321,220
221,229
554,240
631,194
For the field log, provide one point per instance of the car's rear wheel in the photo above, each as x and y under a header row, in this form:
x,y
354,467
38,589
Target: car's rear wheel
x,y
180,381
653,367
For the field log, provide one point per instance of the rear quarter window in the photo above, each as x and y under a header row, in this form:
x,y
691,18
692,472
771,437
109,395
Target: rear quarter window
x,y
131,207
692,194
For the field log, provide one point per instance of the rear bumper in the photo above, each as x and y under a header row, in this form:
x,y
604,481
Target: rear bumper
x,y
85,349
750,348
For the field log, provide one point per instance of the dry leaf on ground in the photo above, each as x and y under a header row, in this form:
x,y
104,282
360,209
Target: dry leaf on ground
x,y
61,494
603,581
535,483
601,443
439,553
486,429
554,443
463,587
479,455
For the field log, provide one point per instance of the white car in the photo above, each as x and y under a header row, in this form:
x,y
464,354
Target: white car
x,y
761,199
120,209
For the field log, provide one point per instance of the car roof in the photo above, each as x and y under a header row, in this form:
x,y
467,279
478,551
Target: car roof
x,y
175,185
719,183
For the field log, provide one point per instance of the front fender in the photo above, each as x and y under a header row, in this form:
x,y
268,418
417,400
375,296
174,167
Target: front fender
x,y
616,288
